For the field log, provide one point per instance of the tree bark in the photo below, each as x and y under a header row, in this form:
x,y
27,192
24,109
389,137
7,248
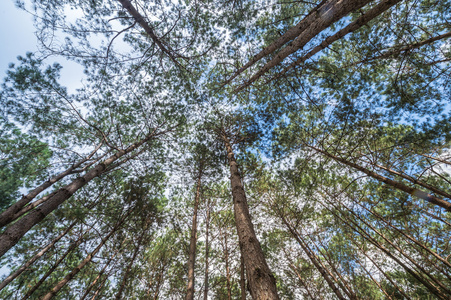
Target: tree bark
x,y
129,267
140,20
193,243
357,228
323,271
261,281
289,35
17,230
93,283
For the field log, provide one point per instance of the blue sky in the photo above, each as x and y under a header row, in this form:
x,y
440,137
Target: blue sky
x,y
16,34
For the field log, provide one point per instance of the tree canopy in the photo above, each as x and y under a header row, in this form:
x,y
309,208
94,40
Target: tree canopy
x,y
229,150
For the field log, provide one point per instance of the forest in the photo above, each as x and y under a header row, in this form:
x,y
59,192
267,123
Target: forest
x,y
229,149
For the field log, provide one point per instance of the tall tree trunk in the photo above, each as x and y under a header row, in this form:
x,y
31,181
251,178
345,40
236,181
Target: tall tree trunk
x,y
35,257
360,22
207,250
193,243
225,248
9,214
261,281
93,283
361,231
242,276
398,185
325,17
313,258
17,230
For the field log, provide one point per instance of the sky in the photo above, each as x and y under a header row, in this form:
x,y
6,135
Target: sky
x,y
18,38
16,34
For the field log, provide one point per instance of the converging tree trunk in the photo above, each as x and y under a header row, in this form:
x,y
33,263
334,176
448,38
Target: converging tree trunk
x,y
261,281
193,242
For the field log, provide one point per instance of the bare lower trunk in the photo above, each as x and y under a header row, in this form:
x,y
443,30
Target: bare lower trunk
x,y
261,281
192,244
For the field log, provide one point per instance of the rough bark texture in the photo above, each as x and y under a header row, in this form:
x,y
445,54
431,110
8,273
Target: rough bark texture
x,y
261,281
325,16
289,35
193,243
398,185
17,230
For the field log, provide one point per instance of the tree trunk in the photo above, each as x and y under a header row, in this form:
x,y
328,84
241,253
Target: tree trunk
x,y
325,17
207,250
398,185
7,216
129,267
323,271
261,281
361,21
17,230
93,283
193,243
357,228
